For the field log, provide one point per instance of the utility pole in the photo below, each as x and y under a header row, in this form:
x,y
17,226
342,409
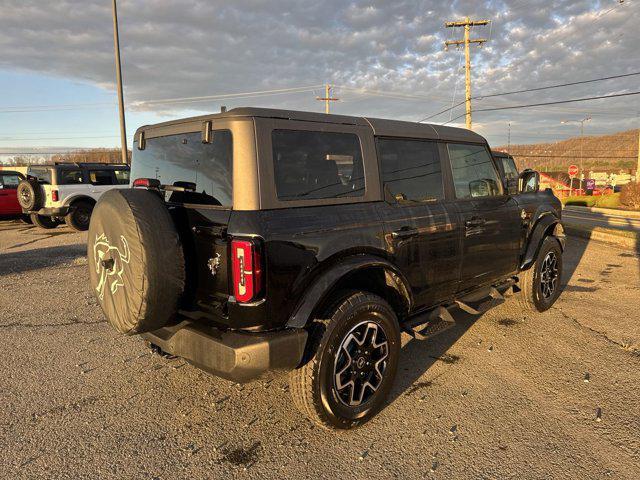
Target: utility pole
x,y
509,139
116,46
581,122
638,166
467,24
327,97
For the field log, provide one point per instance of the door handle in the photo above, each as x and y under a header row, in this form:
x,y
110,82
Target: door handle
x,y
404,232
475,222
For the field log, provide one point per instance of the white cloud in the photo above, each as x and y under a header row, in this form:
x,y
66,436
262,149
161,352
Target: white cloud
x,y
191,47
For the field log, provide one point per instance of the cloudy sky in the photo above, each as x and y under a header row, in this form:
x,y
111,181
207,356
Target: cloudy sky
x,y
385,58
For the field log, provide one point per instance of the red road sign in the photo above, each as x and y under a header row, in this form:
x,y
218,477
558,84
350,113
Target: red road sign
x,y
573,170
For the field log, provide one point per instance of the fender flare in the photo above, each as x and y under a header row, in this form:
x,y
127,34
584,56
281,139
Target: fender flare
x,y
318,290
69,201
544,224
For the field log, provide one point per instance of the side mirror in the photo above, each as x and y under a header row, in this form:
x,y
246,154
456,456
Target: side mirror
x,y
529,181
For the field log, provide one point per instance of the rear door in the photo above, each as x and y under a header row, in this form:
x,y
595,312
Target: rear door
x,y
421,225
69,182
198,177
8,193
490,218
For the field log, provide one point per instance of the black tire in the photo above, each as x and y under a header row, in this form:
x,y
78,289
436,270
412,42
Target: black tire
x,y
540,284
29,194
26,219
136,261
43,221
80,216
314,386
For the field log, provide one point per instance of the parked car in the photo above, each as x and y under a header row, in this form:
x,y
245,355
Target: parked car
x,y
67,192
9,181
261,240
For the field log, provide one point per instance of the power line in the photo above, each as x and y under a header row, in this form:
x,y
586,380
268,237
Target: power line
x,y
480,97
228,95
559,85
558,102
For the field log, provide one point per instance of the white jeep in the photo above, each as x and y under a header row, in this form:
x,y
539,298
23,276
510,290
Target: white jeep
x,y
67,192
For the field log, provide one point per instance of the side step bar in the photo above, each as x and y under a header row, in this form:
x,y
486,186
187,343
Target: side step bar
x,y
440,319
493,299
430,324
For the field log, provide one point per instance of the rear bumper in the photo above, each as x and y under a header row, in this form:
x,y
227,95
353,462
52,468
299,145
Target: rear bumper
x,y
233,355
49,212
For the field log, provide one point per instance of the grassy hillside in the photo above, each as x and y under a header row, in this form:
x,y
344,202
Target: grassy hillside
x,y
615,152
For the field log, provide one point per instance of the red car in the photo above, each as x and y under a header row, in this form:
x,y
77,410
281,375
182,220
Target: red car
x,y
8,193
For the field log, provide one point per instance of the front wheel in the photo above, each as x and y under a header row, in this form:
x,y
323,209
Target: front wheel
x,y
43,221
540,284
354,358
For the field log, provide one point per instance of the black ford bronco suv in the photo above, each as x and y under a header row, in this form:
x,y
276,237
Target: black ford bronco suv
x,y
258,240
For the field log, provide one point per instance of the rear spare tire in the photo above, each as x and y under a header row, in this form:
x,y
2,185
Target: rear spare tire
x,y
29,194
136,262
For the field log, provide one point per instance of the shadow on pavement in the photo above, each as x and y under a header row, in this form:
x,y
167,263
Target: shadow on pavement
x,y
417,357
19,262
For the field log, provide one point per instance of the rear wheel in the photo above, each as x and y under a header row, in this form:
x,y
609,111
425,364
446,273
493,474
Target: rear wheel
x,y
352,365
43,221
540,284
80,216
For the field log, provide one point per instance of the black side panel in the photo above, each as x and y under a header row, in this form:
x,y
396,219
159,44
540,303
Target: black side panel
x,y
298,245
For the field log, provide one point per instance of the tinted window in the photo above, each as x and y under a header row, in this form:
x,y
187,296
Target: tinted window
x,y
474,174
122,177
411,169
508,167
43,175
314,165
101,177
9,180
69,177
183,160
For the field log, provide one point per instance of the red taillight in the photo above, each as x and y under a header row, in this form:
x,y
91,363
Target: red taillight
x,y
54,195
246,265
146,183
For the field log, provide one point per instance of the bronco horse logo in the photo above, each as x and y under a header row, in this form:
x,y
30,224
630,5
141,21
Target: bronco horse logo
x,y
109,263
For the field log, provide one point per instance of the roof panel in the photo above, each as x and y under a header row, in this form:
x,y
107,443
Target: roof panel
x,y
383,127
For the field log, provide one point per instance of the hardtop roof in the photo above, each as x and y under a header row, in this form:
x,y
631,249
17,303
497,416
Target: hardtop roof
x,y
380,126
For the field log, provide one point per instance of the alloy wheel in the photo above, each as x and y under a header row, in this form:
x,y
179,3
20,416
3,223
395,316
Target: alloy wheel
x,y
360,363
549,275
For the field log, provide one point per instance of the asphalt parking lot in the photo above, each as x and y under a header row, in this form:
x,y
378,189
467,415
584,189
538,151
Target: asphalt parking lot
x,y
506,395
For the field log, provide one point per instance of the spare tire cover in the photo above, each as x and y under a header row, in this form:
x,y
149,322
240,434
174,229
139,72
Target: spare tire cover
x,y
136,261
29,194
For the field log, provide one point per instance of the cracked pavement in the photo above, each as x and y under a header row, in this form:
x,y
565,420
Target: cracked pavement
x,y
505,395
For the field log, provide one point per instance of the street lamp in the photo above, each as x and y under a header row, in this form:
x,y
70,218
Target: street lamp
x,y
581,122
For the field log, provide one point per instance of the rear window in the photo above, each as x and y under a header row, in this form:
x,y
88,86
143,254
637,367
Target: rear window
x,y
122,177
101,177
43,175
9,180
316,165
184,161
411,170
69,177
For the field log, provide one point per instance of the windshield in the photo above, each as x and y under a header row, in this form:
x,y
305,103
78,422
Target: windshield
x,y
204,169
